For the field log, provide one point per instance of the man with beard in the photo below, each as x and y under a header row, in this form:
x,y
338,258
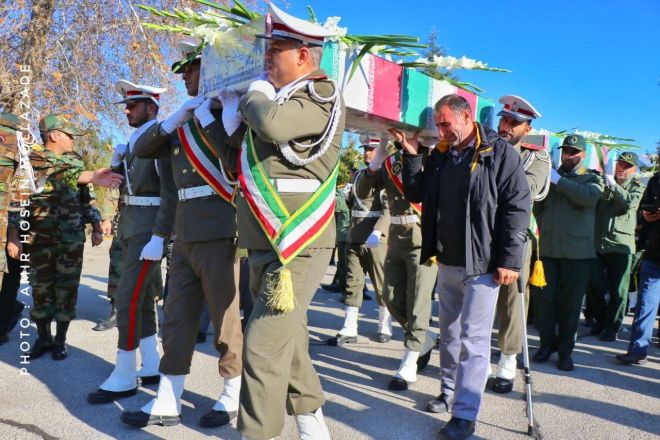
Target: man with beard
x,y
566,219
515,122
146,217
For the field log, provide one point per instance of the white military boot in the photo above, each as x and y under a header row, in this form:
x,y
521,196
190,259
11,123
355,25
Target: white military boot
x,y
348,333
164,410
226,407
122,382
384,325
311,426
407,372
149,374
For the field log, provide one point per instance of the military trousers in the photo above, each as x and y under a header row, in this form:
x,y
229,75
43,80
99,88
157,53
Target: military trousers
x,y
140,284
278,374
557,305
407,289
611,274
509,334
205,271
360,258
340,274
114,269
467,306
55,270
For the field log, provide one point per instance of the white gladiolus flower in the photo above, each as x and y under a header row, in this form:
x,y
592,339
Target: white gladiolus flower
x,y
331,23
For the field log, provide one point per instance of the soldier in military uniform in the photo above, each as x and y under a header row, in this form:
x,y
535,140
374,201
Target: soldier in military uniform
x,y
203,264
365,251
407,283
58,214
566,219
145,222
516,118
295,122
616,218
110,216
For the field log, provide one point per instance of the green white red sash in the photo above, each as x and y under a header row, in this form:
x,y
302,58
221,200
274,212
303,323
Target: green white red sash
x,y
204,157
288,233
393,165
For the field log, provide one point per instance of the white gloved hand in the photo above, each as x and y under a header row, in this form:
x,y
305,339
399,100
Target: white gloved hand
x,y
230,117
610,180
153,250
264,87
203,113
373,240
554,176
118,154
346,190
379,157
182,115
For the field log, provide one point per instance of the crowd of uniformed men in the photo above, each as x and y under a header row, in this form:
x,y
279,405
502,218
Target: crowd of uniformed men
x,y
463,211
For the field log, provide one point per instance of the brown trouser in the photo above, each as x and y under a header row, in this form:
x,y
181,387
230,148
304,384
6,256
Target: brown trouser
x,y
278,373
509,335
358,259
201,272
136,306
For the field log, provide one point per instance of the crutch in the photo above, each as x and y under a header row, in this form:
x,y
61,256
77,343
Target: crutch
x,y
532,430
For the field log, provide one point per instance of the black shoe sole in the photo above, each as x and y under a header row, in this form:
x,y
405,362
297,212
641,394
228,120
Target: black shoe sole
x,y
149,380
502,386
141,419
100,396
397,384
382,338
215,419
337,341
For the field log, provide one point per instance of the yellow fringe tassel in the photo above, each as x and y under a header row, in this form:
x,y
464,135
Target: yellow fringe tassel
x,y
537,279
281,294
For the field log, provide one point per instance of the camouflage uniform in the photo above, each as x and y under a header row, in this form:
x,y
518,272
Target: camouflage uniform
x,y
57,234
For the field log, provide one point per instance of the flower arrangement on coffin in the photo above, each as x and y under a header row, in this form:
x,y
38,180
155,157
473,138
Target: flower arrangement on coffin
x,y
443,65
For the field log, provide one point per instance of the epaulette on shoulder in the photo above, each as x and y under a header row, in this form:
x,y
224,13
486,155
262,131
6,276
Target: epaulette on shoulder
x,y
532,146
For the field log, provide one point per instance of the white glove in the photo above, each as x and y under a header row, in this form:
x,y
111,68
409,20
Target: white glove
x,y
610,180
203,113
264,87
230,117
554,176
373,240
118,154
182,115
379,157
153,250
346,190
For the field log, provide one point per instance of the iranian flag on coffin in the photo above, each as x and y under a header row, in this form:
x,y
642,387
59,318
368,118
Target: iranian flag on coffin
x,y
420,92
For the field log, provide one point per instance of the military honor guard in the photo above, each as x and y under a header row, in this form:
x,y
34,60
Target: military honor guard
x,y
566,219
515,123
145,222
365,252
203,265
287,172
407,282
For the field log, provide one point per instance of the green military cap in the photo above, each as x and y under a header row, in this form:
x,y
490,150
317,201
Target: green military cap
x,y
629,157
9,120
60,123
574,141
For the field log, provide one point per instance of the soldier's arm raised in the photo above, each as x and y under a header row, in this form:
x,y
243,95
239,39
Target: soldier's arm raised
x,y
153,144
626,199
585,194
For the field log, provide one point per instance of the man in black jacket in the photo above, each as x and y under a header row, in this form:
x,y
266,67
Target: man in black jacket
x,y
476,207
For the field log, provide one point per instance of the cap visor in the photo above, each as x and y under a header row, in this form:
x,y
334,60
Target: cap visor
x,y
516,116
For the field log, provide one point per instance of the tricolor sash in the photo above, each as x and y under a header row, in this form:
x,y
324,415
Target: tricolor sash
x,y
288,233
204,157
393,165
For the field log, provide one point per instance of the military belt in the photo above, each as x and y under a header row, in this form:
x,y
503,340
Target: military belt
x,y
141,201
404,219
295,185
365,214
195,192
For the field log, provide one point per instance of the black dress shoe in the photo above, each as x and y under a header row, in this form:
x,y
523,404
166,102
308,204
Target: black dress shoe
x,y
440,404
149,380
103,396
383,338
141,419
565,363
608,336
397,384
502,386
331,287
59,351
41,346
423,360
543,354
596,329
215,419
629,358
339,340
457,429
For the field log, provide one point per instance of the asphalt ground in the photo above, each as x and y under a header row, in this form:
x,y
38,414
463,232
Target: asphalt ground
x,y
601,399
